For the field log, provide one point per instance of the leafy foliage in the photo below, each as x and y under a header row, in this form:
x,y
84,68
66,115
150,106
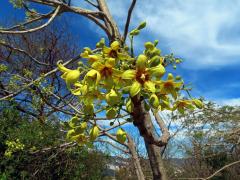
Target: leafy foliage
x,y
21,138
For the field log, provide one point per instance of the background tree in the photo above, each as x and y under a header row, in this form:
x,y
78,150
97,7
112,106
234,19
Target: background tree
x,y
212,142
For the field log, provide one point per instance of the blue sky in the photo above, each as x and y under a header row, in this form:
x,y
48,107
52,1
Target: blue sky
x,y
205,34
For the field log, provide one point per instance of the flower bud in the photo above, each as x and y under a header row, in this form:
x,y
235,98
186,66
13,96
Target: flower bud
x,y
157,71
141,61
155,52
149,45
111,113
115,45
178,78
154,61
170,76
153,100
94,133
134,32
121,135
142,25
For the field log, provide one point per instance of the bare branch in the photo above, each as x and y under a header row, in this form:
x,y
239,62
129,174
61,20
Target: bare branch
x,y
44,16
224,167
109,22
34,29
92,3
215,173
113,145
61,146
23,52
128,20
38,79
165,133
96,21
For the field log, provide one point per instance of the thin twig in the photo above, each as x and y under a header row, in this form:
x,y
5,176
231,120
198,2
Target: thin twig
x,y
113,145
93,4
128,20
224,167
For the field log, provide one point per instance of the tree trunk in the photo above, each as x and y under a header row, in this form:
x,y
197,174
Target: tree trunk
x,y
142,120
156,161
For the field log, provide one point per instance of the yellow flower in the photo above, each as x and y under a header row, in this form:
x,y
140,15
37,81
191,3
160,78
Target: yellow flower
x,y
70,76
114,51
91,57
92,77
113,98
170,87
154,101
181,105
143,76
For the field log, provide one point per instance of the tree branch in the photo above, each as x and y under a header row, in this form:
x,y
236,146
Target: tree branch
x,y
224,167
113,145
38,79
34,29
128,20
165,133
23,52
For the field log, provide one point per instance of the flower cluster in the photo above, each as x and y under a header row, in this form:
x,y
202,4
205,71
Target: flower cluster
x,y
13,146
112,77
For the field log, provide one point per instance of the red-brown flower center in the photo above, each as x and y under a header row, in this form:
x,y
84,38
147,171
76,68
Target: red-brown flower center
x,y
168,84
106,72
142,76
113,54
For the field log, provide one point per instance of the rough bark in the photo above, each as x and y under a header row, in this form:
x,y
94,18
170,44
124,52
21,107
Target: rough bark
x,y
109,21
142,120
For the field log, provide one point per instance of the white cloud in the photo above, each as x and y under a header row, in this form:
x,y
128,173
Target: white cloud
x,y
205,33
231,102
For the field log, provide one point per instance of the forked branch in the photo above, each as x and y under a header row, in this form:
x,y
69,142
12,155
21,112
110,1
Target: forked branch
x,y
34,29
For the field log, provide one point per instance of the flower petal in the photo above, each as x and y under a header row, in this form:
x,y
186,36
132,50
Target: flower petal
x,y
157,71
135,89
150,86
129,74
